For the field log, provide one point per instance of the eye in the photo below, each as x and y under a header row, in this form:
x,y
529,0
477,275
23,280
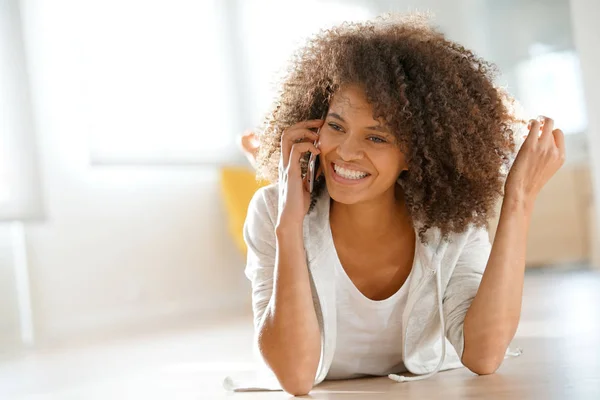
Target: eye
x,y
376,139
335,127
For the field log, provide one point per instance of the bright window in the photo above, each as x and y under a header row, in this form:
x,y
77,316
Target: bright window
x,y
272,30
551,84
155,84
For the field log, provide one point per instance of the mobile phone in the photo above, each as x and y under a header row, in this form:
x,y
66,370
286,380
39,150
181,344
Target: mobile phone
x,y
313,162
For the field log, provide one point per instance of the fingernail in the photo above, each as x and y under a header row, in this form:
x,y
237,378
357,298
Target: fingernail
x,y
541,118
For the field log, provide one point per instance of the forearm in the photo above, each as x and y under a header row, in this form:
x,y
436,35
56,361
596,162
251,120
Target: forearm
x,y
493,317
289,335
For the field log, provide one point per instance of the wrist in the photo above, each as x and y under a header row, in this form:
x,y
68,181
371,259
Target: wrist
x,y
288,231
518,200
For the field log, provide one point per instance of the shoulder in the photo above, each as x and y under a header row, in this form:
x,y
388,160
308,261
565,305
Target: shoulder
x,y
473,249
259,227
473,236
262,209
478,237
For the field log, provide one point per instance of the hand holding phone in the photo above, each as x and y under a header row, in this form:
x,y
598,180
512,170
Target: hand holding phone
x,y
294,198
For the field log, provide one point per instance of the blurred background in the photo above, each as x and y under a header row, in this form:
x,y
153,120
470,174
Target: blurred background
x,y
119,123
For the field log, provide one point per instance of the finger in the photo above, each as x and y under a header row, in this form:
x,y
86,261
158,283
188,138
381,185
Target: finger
x,y
299,135
559,139
547,128
532,136
531,120
289,138
311,123
298,151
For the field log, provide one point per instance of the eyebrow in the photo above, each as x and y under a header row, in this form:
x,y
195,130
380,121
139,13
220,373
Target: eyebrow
x,y
378,128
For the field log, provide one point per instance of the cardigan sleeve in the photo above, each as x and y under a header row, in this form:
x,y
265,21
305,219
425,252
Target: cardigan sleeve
x,y
259,235
463,285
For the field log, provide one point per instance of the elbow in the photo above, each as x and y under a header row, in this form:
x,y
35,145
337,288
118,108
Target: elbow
x,y
293,379
297,382
297,388
484,357
484,365
483,368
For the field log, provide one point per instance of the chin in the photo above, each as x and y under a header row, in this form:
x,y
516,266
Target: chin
x,y
353,195
345,195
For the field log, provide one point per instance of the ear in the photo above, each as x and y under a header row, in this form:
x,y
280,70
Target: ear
x,y
402,176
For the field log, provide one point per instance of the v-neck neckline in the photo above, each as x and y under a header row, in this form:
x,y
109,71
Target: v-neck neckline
x,y
329,233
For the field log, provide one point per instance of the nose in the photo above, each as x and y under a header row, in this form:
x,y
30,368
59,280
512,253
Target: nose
x,y
350,148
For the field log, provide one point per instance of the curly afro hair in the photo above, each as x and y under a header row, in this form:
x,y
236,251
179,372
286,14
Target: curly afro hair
x,y
454,124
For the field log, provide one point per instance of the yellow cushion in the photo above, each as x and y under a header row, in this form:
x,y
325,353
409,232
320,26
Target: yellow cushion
x,y
238,185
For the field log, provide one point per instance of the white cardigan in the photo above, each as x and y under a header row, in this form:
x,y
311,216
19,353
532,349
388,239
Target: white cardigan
x,y
446,276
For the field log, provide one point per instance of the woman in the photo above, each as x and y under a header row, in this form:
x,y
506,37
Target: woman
x,y
386,267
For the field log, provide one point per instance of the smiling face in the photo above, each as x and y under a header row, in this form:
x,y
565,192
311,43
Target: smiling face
x,y
360,157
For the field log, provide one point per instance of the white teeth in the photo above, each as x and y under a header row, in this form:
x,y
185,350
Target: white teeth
x,y
348,173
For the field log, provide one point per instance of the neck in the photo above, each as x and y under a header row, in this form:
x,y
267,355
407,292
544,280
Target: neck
x,y
372,219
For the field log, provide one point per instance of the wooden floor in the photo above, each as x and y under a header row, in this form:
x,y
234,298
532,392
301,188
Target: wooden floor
x,y
559,334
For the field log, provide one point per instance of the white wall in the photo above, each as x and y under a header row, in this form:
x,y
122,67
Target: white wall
x,y
19,175
121,247
585,15
124,247
9,317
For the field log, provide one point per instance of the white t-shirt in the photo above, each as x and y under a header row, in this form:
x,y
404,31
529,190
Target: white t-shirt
x,y
369,332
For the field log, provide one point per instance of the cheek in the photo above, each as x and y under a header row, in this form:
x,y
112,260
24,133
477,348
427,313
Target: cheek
x,y
389,163
326,145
